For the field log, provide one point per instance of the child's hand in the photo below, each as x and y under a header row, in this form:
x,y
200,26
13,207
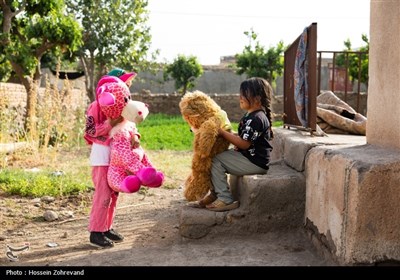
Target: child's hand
x,y
128,173
135,141
114,122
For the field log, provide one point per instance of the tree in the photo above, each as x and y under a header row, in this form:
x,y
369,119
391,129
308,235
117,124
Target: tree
x,y
115,35
30,29
256,62
184,70
356,61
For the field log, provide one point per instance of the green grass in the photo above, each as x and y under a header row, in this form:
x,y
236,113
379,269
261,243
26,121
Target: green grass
x,y
163,132
277,124
163,136
38,184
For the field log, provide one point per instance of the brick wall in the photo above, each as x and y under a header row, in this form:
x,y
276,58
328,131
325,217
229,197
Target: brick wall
x,y
15,95
158,103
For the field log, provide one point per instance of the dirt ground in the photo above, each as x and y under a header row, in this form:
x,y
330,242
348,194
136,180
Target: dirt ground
x,y
150,225
149,221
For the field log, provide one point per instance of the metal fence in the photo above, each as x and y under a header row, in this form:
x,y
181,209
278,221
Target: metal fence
x,y
339,78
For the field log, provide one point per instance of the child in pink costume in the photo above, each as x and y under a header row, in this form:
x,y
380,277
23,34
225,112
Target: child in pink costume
x,y
104,198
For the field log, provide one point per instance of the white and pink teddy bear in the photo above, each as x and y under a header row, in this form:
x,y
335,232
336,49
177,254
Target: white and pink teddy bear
x,y
129,168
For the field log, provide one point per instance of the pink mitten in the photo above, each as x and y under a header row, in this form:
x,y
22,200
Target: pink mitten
x,y
130,184
150,177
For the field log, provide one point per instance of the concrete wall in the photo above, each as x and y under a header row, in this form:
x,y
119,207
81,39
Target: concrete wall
x,y
384,85
352,194
352,199
214,80
169,103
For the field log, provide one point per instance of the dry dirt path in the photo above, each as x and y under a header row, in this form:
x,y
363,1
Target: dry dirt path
x,y
150,224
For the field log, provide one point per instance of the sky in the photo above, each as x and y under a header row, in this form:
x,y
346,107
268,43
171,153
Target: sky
x,y
209,29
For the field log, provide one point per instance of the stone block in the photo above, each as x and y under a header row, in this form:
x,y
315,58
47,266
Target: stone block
x,y
352,198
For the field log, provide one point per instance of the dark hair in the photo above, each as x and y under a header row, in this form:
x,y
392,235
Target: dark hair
x,y
258,88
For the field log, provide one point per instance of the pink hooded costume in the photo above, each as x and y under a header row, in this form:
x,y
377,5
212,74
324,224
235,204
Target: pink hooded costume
x,y
114,100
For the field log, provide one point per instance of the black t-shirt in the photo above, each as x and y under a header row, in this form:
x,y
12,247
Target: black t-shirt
x,y
255,127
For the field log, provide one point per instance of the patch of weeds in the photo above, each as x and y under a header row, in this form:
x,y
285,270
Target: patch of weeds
x,y
37,184
145,192
170,186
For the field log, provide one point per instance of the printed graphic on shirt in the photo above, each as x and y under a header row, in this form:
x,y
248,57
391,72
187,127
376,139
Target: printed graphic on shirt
x,y
90,126
249,134
247,130
254,127
91,129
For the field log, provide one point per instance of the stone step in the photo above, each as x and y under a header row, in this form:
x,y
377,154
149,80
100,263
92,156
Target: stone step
x,y
269,202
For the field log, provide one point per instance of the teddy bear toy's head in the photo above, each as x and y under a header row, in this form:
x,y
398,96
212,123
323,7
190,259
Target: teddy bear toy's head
x,y
197,107
135,111
114,99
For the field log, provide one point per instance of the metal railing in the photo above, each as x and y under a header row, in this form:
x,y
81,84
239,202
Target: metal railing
x,y
346,87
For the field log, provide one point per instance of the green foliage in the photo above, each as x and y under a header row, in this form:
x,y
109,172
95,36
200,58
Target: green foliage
x,y
184,70
36,184
115,35
41,28
5,67
65,61
258,62
355,61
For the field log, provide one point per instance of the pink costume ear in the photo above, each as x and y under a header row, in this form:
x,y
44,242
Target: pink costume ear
x,y
106,99
127,77
107,79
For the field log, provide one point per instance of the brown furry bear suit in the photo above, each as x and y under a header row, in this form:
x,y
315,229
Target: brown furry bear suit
x,y
204,117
